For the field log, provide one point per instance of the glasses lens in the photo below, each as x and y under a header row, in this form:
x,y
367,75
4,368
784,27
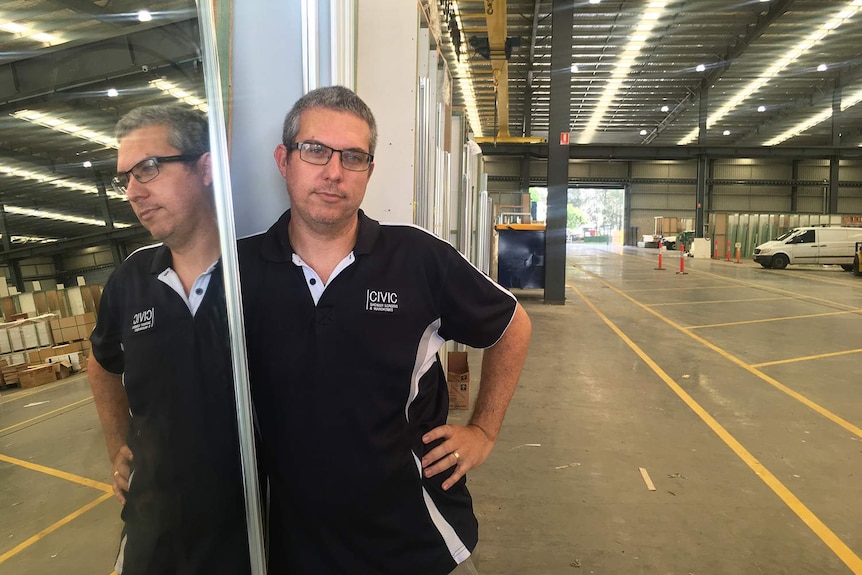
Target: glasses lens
x,y
356,161
146,170
314,153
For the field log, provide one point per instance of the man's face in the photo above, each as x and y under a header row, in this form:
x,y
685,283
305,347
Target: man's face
x,y
326,198
175,204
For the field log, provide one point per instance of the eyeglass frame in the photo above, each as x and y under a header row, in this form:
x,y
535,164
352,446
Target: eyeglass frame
x,y
121,188
298,146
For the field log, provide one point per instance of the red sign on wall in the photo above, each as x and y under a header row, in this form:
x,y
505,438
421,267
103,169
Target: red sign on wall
x,y
564,138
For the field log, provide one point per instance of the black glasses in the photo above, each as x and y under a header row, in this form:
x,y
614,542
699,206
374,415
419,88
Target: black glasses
x,y
318,154
147,169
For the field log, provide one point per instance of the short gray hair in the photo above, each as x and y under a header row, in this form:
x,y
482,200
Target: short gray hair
x,y
189,129
336,98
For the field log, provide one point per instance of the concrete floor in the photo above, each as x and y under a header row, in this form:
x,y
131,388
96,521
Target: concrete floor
x,y
736,391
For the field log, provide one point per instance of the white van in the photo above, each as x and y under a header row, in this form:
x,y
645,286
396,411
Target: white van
x,y
812,245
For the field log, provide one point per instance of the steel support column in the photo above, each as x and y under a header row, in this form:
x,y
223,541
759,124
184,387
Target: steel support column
x,y
702,162
109,219
700,195
629,235
794,189
12,264
558,153
834,162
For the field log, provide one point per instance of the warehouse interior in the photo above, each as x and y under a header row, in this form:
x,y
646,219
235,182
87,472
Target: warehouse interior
x,y
678,415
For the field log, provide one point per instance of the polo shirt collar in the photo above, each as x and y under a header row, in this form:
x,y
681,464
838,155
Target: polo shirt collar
x,y
276,244
162,260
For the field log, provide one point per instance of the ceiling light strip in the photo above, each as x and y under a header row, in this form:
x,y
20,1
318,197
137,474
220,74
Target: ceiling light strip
x,y
31,239
61,125
801,127
465,83
49,215
624,63
14,172
183,96
791,56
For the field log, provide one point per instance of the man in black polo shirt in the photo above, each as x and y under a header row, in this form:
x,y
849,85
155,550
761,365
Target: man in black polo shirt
x,y
344,319
160,368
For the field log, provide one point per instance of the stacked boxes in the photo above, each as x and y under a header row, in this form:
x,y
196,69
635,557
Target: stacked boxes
x,y
28,350
36,375
74,328
10,372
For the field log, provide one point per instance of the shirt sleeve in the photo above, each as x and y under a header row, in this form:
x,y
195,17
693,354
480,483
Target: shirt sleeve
x,y
475,310
106,340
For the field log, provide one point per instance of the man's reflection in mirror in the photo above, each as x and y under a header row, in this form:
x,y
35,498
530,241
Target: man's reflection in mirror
x,y
160,367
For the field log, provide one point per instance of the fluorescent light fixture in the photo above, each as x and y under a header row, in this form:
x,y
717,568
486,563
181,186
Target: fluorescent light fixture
x,y
665,109
57,216
87,164
595,1
45,37
574,68
12,27
25,174
113,93
773,70
184,96
818,118
821,68
61,125
31,239
761,108
643,132
700,68
627,58
465,84
725,133
144,16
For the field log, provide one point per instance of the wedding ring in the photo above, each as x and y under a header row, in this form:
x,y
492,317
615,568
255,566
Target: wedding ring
x,y
457,457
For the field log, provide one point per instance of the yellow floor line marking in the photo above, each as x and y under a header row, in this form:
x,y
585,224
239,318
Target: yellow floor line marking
x,y
806,515
778,290
645,474
46,414
732,358
807,358
48,530
676,289
771,319
57,473
720,301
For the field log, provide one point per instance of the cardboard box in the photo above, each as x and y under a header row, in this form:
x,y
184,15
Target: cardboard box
x,y
62,369
85,318
67,322
69,334
37,375
458,380
84,331
61,350
73,359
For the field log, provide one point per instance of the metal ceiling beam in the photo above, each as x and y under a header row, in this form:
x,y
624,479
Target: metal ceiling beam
x,y
760,25
690,152
134,233
104,60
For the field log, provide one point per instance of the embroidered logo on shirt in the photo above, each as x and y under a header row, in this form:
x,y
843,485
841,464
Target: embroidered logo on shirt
x,y
376,300
143,320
